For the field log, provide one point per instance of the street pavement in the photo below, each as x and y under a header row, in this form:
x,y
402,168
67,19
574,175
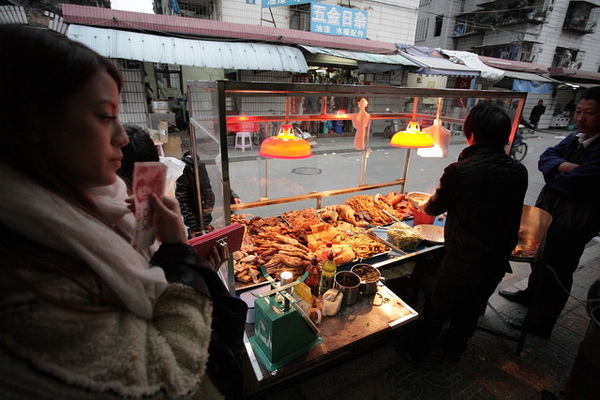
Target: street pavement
x,y
335,165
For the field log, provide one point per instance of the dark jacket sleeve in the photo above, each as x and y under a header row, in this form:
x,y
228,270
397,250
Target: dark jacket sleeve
x,y
183,265
184,190
445,194
208,196
575,183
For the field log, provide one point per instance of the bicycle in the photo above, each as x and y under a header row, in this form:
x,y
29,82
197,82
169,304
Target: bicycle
x,y
392,128
258,136
518,151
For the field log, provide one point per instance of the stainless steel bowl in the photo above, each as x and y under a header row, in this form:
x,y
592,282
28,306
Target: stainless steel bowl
x,y
369,277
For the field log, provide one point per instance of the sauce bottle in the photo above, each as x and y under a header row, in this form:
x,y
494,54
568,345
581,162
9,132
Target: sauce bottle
x,y
314,276
328,271
325,253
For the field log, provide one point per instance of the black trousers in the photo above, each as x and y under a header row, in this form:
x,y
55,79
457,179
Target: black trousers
x,y
458,297
551,278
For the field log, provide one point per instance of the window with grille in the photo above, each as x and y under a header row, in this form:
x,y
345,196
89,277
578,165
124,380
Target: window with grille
x,y
300,17
203,9
421,32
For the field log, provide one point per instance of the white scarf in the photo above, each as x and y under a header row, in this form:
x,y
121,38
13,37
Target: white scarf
x,y
47,219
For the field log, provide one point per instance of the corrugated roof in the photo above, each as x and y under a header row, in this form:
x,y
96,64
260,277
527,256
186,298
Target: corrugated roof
x,y
199,53
118,19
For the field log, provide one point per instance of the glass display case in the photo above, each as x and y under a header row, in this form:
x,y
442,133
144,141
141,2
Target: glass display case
x,y
230,120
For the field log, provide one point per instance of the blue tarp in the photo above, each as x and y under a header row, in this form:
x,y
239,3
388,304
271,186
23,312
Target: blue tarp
x,y
532,86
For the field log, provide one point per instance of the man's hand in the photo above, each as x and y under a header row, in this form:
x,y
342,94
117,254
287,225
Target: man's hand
x,y
567,166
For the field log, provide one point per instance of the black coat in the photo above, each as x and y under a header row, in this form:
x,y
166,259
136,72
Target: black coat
x,y
185,192
483,194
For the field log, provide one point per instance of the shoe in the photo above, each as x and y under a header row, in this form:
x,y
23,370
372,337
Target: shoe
x,y
519,324
519,297
415,359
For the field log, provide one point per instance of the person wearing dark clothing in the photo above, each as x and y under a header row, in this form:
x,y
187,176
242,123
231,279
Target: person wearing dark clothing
x,y
570,107
571,195
482,194
185,192
141,147
536,114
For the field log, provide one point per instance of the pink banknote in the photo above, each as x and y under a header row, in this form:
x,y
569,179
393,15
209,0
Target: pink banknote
x,y
148,177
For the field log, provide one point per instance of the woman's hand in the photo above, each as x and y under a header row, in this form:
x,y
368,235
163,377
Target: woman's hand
x,y
219,254
169,223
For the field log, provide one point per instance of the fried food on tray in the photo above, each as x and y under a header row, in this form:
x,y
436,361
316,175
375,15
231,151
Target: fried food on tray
x,y
349,214
302,219
374,207
288,242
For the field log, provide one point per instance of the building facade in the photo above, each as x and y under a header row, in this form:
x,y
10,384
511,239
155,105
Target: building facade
x,y
560,35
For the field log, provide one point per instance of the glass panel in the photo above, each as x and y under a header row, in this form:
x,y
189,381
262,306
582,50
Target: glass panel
x,y
229,121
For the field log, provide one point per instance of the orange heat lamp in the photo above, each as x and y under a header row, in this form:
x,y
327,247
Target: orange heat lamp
x,y
412,138
285,145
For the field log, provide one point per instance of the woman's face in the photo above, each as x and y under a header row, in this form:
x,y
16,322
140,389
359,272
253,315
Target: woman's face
x,y
86,146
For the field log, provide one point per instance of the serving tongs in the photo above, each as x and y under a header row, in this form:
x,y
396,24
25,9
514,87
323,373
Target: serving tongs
x,y
372,235
392,216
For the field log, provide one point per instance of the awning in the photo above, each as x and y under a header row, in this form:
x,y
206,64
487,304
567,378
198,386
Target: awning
x,y
394,59
574,75
562,84
432,62
473,61
442,66
513,65
526,76
198,53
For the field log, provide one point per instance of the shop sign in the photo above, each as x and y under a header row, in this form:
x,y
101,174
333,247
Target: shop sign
x,y
277,3
338,21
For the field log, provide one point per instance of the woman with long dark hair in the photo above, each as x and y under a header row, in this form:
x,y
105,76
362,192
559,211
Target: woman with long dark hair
x,y
83,315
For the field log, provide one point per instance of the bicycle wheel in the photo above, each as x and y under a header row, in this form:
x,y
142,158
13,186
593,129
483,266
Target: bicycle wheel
x,y
258,137
519,152
388,132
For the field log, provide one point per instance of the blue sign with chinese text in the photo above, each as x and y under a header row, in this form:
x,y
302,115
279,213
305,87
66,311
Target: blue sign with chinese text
x,y
277,3
338,21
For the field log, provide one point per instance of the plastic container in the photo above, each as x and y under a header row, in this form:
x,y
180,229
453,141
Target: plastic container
x,y
422,218
338,126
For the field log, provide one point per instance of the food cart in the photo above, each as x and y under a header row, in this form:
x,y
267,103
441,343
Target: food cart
x,y
272,194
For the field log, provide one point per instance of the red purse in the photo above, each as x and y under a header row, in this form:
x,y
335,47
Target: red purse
x,y
230,235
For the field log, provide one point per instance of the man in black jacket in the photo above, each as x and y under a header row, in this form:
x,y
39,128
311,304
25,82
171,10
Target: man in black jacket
x,y
482,194
185,192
